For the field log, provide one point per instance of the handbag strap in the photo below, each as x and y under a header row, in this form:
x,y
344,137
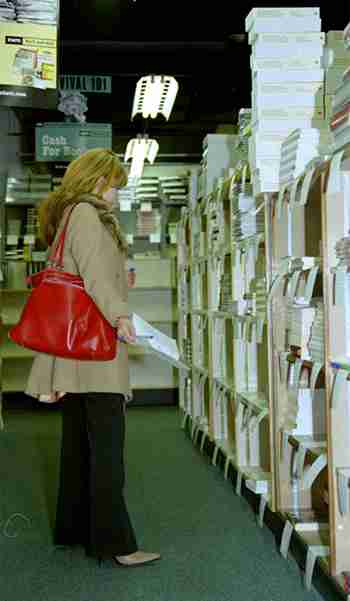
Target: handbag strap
x,y
56,256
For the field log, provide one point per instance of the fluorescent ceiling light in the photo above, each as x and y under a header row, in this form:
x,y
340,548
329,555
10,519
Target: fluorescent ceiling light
x,y
155,94
139,149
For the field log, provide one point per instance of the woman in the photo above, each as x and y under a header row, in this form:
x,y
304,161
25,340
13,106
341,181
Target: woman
x,y
91,508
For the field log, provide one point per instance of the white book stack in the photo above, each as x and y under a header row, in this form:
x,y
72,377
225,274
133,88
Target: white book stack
x,y
336,60
287,77
248,224
316,342
342,288
342,249
243,138
226,293
41,12
147,191
242,202
259,291
7,10
347,37
300,320
338,88
297,150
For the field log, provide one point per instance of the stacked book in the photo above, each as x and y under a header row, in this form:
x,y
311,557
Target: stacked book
x,y
226,303
336,61
287,75
259,291
300,321
342,249
248,224
347,37
40,12
174,189
242,201
7,10
316,341
27,188
244,132
298,149
187,350
338,90
147,189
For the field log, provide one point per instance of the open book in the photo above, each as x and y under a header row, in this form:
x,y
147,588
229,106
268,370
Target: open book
x,y
158,343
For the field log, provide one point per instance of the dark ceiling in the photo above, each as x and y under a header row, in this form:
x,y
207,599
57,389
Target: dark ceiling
x,y
203,44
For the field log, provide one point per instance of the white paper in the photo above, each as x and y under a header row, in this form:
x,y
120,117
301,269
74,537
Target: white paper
x,y
160,344
130,238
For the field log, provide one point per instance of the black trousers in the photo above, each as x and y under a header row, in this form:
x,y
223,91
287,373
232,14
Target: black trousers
x,y
90,507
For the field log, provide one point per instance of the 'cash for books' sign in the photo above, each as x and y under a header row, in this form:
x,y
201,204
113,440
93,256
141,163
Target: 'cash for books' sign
x,y
28,51
67,141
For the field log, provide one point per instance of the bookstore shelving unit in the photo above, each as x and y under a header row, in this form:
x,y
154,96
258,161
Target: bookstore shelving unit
x,y
276,408
267,306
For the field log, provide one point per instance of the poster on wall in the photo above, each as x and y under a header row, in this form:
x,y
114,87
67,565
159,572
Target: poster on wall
x,y
28,51
67,141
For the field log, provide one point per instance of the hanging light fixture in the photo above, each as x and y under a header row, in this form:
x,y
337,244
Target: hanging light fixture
x,y
140,149
155,94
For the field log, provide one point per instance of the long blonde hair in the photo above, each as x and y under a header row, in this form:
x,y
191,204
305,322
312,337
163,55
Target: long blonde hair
x,y
81,178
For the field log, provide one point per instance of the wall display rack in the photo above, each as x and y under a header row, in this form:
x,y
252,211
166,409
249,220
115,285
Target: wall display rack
x,y
154,296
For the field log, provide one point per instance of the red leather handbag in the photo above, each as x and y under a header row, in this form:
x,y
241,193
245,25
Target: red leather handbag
x,y
60,318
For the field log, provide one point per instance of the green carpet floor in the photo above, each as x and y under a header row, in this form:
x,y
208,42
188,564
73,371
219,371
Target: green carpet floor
x,y
180,505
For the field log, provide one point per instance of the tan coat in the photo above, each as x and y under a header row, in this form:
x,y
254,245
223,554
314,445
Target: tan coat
x,y
91,252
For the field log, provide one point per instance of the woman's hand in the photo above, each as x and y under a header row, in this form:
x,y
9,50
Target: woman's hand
x,y
126,330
